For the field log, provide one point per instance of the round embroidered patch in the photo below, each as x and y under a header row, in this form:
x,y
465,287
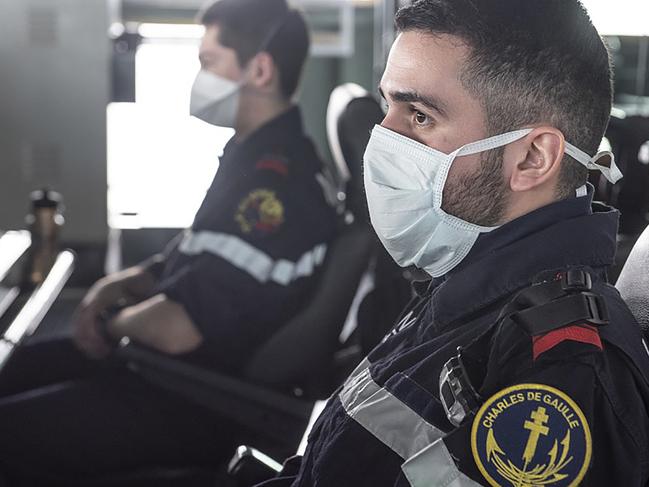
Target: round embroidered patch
x,y
260,212
531,434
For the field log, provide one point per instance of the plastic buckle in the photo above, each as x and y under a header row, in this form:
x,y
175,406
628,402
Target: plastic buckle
x,y
457,395
576,280
597,309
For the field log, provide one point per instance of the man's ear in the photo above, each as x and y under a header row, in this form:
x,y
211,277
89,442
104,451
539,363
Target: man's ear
x,y
536,159
263,71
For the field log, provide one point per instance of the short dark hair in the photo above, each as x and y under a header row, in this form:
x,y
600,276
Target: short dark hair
x,y
248,26
538,61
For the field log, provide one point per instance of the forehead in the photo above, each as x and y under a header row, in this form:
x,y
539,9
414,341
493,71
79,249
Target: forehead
x,y
210,41
426,64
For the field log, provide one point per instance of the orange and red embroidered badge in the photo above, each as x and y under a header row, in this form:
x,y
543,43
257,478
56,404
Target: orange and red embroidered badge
x,y
260,212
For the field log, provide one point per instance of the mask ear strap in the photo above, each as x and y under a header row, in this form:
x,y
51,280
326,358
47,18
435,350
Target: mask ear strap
x,y
611,172
492,142
265,43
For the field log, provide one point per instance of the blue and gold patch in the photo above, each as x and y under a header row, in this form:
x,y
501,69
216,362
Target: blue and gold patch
x,y
529,435
260,212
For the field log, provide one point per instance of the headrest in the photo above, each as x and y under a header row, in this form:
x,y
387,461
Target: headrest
x,y
351,115
338,102
633,282
628,137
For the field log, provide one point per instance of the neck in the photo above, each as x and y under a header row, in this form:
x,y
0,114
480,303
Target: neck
x,y
254,113
523,203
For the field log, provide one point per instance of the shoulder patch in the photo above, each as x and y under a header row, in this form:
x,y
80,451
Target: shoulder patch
x,y
260,212
274,163
531,434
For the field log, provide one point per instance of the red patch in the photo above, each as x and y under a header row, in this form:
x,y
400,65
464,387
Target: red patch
x,y
577,333
273,165
264,227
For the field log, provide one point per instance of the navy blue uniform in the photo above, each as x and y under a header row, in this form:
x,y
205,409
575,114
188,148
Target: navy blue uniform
x,y
250,260
257,244
567,409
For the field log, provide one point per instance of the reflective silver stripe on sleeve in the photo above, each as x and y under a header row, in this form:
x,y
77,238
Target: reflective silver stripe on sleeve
x,y
360,368
384,416
435,466
250,259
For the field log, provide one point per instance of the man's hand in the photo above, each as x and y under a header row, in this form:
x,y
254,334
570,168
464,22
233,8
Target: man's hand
x,y
121,289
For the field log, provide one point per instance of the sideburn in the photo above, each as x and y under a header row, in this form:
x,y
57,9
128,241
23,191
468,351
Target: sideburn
x,y
480,198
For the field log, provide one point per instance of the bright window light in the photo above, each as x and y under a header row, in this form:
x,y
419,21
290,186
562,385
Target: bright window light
x,y
643,154
622,17
171,31
161,161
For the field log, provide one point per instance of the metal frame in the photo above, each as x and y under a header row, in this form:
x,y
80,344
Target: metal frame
x,y
35,309
342,47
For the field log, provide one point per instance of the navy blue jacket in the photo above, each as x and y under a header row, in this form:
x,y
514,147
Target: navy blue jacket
x,y
257,244
386,426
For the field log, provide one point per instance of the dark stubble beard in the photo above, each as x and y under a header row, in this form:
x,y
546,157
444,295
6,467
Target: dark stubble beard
x,y
479,198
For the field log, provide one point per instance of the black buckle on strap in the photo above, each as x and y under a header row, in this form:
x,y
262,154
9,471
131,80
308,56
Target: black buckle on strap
x,y
456,393
597,308
576,280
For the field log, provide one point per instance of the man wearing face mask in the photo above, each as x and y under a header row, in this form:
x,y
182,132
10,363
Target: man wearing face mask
x,y
261,233
249,262
518,364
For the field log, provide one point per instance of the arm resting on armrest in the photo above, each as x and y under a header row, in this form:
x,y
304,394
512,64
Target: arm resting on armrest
x,y
158,323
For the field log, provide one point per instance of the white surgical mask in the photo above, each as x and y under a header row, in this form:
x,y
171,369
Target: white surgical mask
x,y
404,183
215,99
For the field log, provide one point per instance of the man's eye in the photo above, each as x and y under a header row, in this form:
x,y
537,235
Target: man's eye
x,y
421,118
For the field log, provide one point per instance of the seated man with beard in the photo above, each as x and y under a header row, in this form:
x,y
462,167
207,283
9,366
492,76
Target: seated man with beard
x,y
519,364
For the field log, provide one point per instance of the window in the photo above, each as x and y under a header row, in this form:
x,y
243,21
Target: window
x,y
619,18
161,161
624,24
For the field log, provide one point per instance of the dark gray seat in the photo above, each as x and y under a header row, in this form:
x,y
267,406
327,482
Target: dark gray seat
x,y
629,138
633,282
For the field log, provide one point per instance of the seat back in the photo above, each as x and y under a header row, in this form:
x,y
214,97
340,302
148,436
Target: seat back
x,y
630,140
351,114
633,282
304,347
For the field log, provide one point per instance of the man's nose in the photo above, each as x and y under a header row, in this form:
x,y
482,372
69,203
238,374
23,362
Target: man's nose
x,y
396,124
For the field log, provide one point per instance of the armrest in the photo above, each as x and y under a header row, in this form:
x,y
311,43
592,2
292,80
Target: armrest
x,y
261,409
13,247
250,466
39,303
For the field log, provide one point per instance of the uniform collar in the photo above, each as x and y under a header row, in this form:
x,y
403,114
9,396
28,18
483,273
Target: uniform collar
x,y
573,232
275,132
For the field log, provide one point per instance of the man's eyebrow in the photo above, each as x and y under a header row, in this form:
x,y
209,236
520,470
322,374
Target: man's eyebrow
x,y
413,97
